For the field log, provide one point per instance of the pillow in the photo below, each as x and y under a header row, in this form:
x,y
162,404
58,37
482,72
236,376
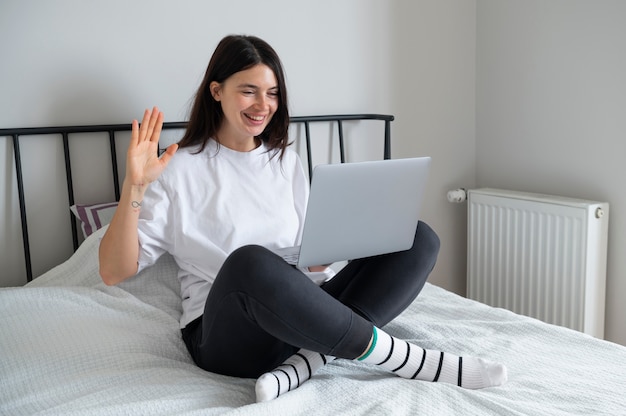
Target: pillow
x,y
93,216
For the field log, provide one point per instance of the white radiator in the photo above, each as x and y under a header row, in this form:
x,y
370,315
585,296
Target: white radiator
x,y
539,255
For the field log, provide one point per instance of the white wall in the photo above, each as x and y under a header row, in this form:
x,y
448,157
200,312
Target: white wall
x,y
71,61
433,84
551,111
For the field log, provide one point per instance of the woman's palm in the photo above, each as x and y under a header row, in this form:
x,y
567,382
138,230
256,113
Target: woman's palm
x,y
143,164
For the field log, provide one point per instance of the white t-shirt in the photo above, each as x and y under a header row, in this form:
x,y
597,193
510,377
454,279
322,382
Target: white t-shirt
x,y
206,205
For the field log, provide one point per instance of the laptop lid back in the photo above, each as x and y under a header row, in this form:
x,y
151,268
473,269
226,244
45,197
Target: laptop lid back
x,y
362,209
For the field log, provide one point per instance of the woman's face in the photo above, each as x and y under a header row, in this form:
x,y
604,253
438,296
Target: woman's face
x,y
249,99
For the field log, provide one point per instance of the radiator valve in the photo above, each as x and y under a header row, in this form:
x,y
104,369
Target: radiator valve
x,y
599,212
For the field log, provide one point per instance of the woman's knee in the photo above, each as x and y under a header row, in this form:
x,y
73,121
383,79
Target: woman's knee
x,y
422,256
427,240
253,267
243,263
246,256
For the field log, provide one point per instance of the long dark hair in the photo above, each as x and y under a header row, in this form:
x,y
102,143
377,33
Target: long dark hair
x,y
237,53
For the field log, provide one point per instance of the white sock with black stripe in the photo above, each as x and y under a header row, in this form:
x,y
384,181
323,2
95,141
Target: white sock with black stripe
x,y
289,375
412,362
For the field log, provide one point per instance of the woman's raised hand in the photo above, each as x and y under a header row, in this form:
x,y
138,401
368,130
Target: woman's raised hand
x,y
143,165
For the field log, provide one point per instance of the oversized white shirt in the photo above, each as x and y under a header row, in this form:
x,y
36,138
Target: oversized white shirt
x,y
206,205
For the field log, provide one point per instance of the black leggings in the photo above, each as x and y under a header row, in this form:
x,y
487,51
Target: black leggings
x,y
261,310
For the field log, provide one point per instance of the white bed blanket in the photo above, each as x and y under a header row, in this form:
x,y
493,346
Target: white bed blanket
x,y
69,345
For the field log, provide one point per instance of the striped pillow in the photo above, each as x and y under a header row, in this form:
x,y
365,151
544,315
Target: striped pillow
x,y
93,216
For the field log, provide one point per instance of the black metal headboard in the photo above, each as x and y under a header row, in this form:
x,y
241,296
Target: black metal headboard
x,y
112,129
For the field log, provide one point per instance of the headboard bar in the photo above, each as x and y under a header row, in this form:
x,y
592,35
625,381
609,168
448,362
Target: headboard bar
x,y
114,170
70,184
112,129
342,148
22,203
309,157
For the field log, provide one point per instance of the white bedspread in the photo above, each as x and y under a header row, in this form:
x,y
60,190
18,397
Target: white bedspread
x,y
70,345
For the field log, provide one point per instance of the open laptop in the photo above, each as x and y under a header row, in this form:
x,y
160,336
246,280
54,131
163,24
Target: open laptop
x,y
361,209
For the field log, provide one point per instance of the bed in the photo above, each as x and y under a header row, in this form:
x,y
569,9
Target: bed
x,y
70,345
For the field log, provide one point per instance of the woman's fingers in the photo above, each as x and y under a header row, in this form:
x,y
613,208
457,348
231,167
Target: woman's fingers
x,y
142,163
145,125
169,152
134,134
156,129
152,121
150,127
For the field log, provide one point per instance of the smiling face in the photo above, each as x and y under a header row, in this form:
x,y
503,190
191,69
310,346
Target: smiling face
x,y
249,99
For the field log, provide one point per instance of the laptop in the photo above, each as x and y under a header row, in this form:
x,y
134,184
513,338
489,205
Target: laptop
x,y
360,209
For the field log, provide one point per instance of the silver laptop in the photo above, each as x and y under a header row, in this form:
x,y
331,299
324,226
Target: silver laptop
x,y
362,209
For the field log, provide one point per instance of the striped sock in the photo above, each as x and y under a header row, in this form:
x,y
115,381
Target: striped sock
x,y
289,375
412,362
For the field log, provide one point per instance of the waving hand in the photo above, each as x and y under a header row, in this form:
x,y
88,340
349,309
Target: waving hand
x,y
143,165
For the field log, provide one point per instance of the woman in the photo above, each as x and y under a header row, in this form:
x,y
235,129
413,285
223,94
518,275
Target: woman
x,y
231,193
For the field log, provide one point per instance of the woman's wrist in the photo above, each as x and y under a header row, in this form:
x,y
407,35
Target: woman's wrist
x,y
133,187
134,195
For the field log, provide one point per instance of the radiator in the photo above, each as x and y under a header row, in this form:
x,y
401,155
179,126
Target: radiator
x,y
539,255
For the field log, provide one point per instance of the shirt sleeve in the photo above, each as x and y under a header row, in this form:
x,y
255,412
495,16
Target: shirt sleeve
x,y
155,227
